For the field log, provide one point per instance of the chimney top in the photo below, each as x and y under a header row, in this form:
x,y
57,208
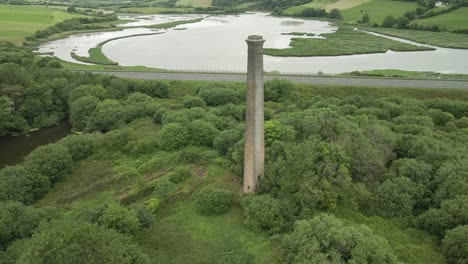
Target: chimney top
x,y
255,38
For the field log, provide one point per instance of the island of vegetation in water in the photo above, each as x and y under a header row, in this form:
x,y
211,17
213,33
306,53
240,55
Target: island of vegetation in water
x,y
152,172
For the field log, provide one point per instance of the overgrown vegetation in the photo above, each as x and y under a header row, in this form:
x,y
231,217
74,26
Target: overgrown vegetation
x,y
354,175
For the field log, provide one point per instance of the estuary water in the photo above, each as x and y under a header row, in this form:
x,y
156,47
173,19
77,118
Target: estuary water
x,y
217,43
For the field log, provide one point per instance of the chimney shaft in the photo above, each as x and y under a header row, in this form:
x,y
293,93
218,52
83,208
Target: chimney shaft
x,y
254,151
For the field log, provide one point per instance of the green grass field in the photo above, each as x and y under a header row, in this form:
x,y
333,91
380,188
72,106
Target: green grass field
x,y
457,19
17,22
378,10
441,39
345,41
326,4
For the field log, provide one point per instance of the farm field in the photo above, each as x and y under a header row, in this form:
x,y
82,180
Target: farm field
x,y
453,20
326,4
378,10
17,22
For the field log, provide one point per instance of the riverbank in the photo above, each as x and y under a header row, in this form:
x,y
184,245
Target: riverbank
x,y
440,39
96,56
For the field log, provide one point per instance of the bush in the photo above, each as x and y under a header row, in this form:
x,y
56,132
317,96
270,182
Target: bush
x,y
327,239
455,245
53,161
159,114
79,146
213,201
18,221
81,111
335,14
88,90
19,184
439,117
263,213
109,115
193,101
202,133
450,214
215,96
153,88
118,88
226,140
174,136
388,22
71,241
235,111
152,204
396,197
117,217
279,90
180,175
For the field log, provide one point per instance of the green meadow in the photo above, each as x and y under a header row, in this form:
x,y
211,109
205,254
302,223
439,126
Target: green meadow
x,y
378,10
326,4
17,22
453,20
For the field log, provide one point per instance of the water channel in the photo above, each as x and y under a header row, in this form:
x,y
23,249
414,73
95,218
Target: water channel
x,y
14,148
217,44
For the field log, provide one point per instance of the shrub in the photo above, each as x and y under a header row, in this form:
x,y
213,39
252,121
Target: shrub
x,y
335,14
153,88
451,213
213,201
388,22
215,96
120,218
18,221
180,175
279,90
118,88
88,90
202,133
235,111
439,117
81,111
19,184
152,204
174,136
71,241
455,245
327,239
159,114
263,213
396,197
79,146
53,161
145,216
193,101
226,140
109,115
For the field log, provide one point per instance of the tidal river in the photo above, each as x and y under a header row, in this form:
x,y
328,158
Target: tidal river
x,y
14,148
217,43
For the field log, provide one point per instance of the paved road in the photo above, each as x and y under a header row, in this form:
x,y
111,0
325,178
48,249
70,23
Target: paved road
x,y
369,82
